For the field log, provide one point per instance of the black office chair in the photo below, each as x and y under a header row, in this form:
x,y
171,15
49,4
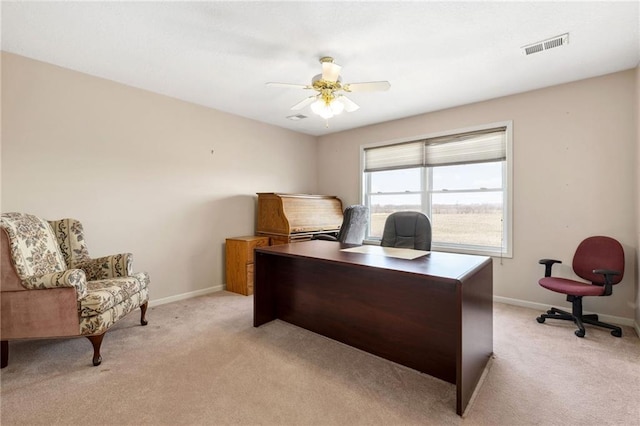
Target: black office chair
x,y
599,260
353,228
407,230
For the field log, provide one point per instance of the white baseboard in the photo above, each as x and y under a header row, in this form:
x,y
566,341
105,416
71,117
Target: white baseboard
x,y
188,295
544,307
516,302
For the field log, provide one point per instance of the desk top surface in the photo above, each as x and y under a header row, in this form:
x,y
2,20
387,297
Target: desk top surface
x,y
449,266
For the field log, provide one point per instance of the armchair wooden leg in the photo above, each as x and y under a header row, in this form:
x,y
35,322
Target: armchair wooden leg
x,y
4,357
143,313
96,341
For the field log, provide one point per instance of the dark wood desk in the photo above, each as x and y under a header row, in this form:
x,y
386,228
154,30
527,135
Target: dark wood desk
x,y
433,313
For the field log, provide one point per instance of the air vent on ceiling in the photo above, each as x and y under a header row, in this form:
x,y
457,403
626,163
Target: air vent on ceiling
x,y
296,117
540,46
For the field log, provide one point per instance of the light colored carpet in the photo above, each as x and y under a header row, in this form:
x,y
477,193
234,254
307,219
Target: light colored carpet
x,y
201,361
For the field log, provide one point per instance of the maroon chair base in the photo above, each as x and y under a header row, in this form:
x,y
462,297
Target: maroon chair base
x,y
578,318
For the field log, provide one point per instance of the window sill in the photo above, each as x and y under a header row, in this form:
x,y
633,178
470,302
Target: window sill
x,y
478,251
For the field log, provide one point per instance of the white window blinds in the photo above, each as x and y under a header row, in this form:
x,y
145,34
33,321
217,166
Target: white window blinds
x,y
400,156
465,148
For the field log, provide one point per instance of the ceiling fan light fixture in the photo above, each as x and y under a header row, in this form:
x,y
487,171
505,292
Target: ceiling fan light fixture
x,y
326,109
336,107
321,108
329,100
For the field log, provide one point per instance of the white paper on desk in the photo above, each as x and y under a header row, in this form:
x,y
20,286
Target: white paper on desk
x,y
402,253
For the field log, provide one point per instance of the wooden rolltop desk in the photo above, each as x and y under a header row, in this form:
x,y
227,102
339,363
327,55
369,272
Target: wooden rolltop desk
x,y
287,218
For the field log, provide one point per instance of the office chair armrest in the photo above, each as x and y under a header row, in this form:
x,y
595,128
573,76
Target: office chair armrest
x,y
548,263
608,273
325,237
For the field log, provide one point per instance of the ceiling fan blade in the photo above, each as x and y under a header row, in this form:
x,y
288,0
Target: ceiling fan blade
x,y
349,105
371,86
330,71
303,103
290,86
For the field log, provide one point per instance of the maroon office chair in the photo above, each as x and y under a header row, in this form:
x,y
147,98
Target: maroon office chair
x,y
599,260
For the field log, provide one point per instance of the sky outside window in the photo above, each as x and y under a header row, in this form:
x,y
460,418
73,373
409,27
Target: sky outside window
x,y
452,178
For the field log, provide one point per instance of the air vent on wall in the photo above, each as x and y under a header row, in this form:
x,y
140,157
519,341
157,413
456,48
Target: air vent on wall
x,y
540,46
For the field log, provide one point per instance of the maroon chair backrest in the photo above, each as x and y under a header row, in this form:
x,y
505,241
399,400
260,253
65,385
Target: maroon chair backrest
x,y
599,253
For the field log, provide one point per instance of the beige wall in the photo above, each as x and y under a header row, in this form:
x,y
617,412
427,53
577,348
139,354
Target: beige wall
x,y
138,170
637,117
574,176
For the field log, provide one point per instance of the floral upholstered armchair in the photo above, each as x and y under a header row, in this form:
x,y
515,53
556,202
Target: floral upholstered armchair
x,y
50,287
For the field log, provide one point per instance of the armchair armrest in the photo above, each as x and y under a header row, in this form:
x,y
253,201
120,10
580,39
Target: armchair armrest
x,y
548,264
117,265
608,285
70,278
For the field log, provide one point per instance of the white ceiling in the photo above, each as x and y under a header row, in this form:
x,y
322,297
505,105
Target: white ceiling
x,y
436,55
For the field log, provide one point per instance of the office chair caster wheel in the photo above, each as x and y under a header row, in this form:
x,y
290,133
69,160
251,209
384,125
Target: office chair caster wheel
x,y
579,333
540,319
550,312
616,333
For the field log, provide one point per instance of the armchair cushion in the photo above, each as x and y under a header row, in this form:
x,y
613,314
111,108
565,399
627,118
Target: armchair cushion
x,y
102,302
105,294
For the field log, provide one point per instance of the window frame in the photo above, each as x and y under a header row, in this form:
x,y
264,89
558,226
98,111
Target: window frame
x,y
426,191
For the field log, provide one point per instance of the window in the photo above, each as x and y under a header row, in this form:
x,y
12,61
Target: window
x,y
461,180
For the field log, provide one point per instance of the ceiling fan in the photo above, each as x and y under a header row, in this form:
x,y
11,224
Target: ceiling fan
x,y
330,99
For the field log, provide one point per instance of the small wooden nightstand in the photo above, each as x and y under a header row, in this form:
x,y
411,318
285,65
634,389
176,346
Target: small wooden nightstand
x,y
240,262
